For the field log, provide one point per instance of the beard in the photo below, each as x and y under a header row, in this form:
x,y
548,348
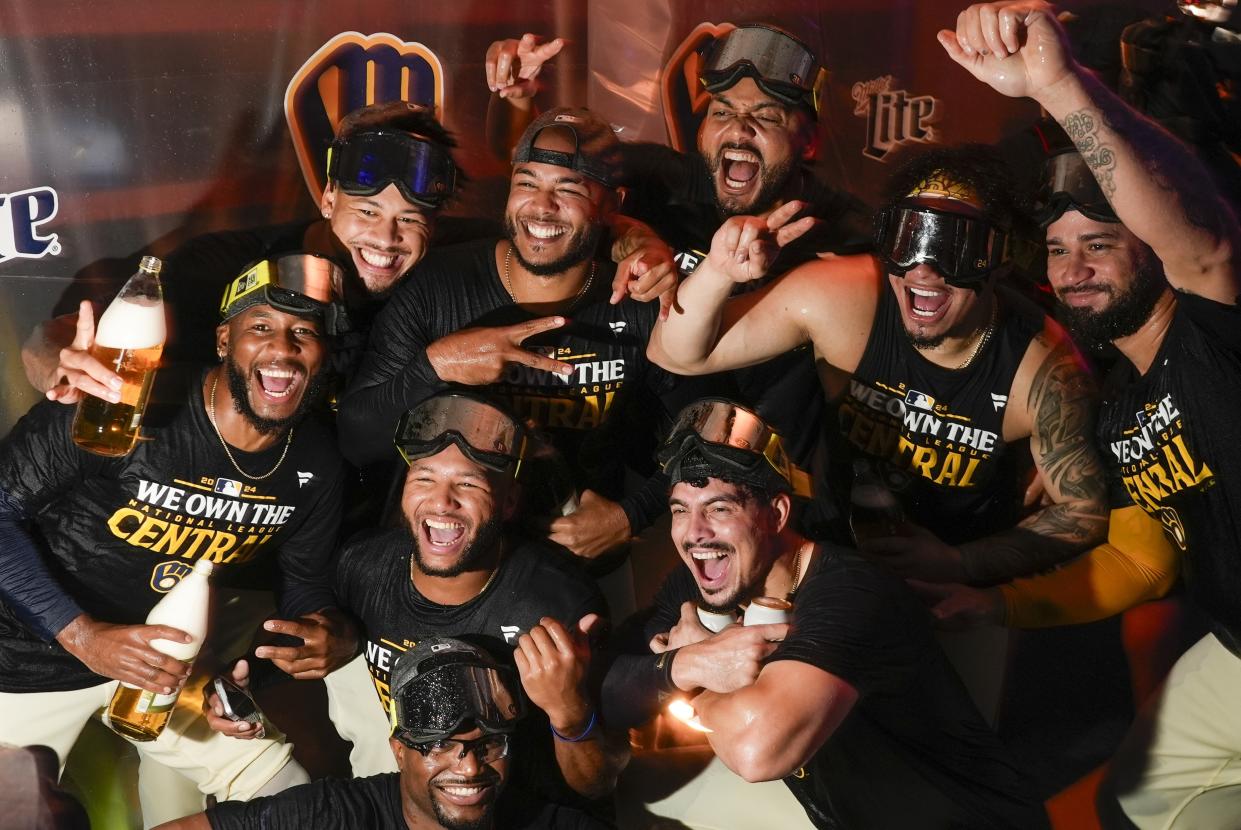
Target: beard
x,y
922,342
773,180
486,540
581,247
1127,312
316,386
448,822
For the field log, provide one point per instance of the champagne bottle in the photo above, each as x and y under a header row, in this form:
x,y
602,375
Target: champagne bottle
x,y
141,715
129,340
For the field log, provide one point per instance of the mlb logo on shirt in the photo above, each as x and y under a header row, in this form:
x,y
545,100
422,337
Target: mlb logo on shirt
x,y
227,487
919,400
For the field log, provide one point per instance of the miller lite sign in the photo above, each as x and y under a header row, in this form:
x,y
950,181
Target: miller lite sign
x,y
21,215
893,116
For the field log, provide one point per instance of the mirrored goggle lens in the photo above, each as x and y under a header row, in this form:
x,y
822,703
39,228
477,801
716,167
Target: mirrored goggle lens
x,y
774,57
729,425
366,163
294,282
1068,183
435,704
492,435
960,247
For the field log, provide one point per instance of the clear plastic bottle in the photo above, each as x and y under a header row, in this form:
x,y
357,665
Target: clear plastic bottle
x,y
141,715
129,340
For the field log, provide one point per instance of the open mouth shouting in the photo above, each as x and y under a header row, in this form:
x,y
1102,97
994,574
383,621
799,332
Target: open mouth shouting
x,y
442,534
711,566
740,168
926,305
277,384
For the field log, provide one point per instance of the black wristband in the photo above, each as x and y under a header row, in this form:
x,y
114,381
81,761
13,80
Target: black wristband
x,y
663,670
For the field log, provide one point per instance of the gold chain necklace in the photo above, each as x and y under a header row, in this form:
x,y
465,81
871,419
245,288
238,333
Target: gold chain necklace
x,y
211,417
797,569
985,337
508,281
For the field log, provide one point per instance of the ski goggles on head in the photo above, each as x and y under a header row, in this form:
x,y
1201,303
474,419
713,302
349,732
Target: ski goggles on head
x,y
718,438
485,433
442,685
963,249
301,283
781,65
365,163
1068,185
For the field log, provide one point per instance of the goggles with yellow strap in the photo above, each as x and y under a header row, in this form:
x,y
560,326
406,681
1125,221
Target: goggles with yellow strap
x,y
303,283
718,438
780,64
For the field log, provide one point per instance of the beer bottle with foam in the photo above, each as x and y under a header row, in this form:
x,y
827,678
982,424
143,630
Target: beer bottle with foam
x,y
141,715
129,340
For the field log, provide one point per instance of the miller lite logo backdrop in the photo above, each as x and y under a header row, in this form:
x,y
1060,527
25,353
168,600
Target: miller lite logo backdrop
x,y
682,95
350,71
21,214
893,116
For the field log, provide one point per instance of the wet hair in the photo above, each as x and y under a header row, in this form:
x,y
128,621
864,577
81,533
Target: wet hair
x,y
749,492
977,166
397,115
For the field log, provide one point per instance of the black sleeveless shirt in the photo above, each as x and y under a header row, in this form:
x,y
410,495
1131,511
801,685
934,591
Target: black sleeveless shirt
x,y
938,433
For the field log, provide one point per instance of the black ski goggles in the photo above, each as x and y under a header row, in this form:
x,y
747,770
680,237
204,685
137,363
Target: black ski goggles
x,y
714,435
1068,185
780,64
303,283
448,690
365,163
963,249
485,433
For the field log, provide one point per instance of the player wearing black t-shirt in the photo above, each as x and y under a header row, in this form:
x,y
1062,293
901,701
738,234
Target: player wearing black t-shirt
x,y
477,315
856,709
375,237
454,759
238,471
1153,222
452,570
754,149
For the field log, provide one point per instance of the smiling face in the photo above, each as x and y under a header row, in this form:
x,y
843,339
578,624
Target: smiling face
x,y
274,363
555,215
753,145
727,538
384,234
931,309
460,795
1106,278
454,508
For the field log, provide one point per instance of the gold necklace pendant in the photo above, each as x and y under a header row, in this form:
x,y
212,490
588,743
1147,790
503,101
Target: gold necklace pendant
x,y
508,279
211,417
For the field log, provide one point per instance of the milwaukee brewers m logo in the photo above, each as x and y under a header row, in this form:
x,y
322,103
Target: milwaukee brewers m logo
x,y
349,71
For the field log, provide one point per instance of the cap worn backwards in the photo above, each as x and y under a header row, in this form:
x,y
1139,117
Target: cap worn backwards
x,y
596,152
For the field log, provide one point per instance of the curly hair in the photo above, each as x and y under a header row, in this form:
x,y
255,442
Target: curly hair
x,y
976,165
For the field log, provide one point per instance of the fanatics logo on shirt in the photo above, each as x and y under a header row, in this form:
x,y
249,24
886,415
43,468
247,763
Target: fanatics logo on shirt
x,y
303,479
998,401
617,326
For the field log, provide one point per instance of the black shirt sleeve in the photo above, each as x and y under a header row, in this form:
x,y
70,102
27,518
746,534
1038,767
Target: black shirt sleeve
x,y
305,559
859,623
637,681
326,804
394,374
38,461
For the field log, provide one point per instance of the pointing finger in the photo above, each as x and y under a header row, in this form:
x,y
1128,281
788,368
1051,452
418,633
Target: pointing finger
x,y
522,331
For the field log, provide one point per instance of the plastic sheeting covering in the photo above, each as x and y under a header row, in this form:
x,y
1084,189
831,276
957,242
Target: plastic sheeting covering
x,y
143,123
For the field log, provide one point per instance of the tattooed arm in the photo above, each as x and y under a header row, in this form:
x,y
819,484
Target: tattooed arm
x,y
1160,191
1058,415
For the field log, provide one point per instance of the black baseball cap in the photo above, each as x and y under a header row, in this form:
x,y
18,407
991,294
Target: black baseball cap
x,y
596,152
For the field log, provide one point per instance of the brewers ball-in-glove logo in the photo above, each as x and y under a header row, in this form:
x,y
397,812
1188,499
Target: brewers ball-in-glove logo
x,y
350,71
683,97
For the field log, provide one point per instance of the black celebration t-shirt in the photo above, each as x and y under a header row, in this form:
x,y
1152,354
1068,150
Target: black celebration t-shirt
x,y
1168,440
118,533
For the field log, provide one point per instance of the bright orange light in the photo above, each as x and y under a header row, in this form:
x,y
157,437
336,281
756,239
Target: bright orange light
x,y
683,711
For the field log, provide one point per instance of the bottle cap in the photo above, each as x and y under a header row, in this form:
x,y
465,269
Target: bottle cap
x,y
151,263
